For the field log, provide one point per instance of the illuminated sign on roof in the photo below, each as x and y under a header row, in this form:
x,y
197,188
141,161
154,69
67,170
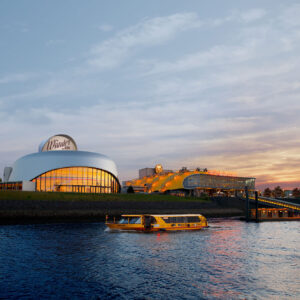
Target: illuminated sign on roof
x,y
59,142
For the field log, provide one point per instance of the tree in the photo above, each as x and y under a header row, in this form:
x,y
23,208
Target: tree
x,y
296,193
278,192
267,192
0,179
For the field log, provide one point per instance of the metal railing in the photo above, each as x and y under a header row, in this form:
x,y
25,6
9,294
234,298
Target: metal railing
x,y
278,202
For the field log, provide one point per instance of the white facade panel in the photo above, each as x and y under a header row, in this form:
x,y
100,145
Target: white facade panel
x,y
28,186
30,166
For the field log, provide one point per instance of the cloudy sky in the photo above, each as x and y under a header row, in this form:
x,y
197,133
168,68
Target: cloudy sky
x,y
212,84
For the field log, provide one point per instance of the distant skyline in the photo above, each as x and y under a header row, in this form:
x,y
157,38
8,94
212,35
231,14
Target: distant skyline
x,y
213,84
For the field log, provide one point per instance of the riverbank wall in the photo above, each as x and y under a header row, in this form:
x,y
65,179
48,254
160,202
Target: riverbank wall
x,y
29,207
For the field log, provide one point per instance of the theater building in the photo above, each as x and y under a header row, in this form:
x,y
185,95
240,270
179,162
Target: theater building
x,y
190,182
58,166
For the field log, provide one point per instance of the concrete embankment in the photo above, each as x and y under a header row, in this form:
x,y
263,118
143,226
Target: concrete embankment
x,y
23,207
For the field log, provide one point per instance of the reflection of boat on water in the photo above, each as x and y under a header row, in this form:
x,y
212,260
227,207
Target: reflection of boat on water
x,y
149,223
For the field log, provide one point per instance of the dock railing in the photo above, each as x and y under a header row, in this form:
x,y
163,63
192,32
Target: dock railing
x,y
277,202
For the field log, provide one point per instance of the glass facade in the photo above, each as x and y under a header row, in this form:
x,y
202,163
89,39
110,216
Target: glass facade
x,y
219,182
77,180
11,186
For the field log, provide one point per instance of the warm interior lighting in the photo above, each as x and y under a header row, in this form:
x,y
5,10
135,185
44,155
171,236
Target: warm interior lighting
x,y
77,179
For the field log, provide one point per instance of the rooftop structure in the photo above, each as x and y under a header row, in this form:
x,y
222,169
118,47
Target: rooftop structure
x,y
190,182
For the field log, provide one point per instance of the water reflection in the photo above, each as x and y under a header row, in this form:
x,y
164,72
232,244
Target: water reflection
x,y
229,260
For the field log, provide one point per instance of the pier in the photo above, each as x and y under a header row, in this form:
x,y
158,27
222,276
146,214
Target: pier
x,y
272,214
273,209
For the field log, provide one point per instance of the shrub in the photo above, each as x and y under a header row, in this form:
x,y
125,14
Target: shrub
x,y
130,190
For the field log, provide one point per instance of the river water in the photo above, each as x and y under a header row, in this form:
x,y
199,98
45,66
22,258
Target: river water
x,y
229,260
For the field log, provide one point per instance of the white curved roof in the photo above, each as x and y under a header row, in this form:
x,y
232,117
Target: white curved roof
x,y
35,164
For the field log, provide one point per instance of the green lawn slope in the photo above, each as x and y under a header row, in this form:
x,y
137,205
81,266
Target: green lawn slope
x,y
31,207
56,196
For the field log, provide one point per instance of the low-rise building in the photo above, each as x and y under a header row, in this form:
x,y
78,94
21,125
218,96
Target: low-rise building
x,y
190,182
58,166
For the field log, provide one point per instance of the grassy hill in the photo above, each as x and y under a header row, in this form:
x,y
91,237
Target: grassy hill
x,y
31,207
56,196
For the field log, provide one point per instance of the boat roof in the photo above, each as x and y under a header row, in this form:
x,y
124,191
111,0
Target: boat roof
x,y
166,215
131,215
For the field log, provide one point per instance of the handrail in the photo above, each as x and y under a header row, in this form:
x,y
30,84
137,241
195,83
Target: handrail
x,y
278,202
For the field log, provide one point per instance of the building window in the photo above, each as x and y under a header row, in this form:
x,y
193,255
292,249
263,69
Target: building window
x,y
78,180
11,186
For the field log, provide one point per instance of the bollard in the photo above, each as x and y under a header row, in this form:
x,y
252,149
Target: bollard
x,y
256,206
247,204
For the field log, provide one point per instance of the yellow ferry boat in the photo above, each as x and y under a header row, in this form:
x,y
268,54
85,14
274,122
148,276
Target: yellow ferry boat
x,y
150,223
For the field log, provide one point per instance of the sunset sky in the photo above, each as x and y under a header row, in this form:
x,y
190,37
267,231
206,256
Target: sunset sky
x,y
209,84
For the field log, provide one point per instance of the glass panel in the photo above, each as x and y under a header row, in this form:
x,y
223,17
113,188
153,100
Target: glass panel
x,y
90,176
64,176
38,184
105,182
94,177
63,188
51,184
84,176
43,182
80,175
47,182
109,183
75,176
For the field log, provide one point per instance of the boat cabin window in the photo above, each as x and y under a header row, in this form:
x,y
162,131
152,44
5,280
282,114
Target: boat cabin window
x,y
136,220
191,219
123,221
131,220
